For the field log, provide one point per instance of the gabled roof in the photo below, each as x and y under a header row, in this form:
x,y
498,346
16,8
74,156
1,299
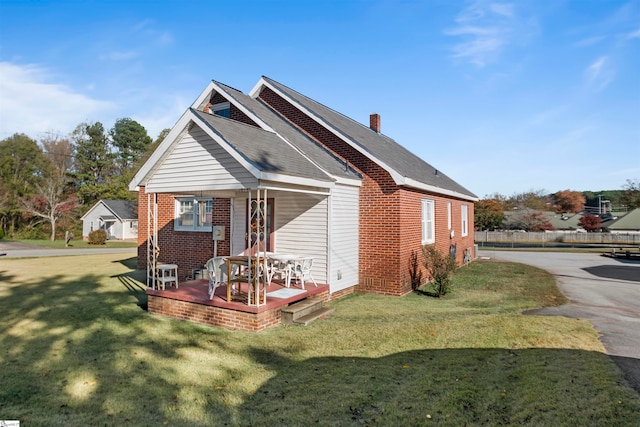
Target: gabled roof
x,y
121,209
276,149
630,221
265,116
405,167
265,150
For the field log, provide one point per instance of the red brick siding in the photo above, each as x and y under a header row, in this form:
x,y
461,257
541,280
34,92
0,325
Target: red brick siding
x,y
187,249
215,316
412,228
390,216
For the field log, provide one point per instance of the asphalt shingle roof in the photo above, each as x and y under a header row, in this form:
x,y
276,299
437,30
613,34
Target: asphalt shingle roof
x,y
319,154
378,145
264,149
124,209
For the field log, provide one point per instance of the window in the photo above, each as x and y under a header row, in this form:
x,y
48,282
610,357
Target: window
x,y
428,221
465,219
193,214
223,109
448,215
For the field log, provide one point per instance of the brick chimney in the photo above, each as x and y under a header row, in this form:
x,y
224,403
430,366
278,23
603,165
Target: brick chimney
x,y
374,122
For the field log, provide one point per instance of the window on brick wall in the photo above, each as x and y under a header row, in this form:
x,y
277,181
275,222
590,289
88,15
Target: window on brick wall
x,y
193,214
464,210
448,215
428,221
223,109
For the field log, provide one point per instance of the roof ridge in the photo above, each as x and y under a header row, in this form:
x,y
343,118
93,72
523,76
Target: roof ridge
x,y
217,117
331,109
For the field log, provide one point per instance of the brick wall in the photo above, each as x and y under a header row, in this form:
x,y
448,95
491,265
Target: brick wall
x,y
214,316
390,216
189,250
235,113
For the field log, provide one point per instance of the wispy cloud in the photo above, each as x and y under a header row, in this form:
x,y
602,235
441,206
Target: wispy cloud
x,y
600,73
119,56
633,34
485,29
30,103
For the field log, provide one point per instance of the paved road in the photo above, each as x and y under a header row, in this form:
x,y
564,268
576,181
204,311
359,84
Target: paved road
x,y
24,250
602,290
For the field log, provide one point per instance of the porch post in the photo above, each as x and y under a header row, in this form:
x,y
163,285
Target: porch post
x,y
152,239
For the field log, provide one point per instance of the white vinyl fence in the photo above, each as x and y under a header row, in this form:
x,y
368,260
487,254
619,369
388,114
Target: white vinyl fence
x,y
557,237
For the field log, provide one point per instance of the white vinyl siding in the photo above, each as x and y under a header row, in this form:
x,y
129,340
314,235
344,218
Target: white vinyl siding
x,y
428,221
344,245
198,163
301,229
464,210
300,226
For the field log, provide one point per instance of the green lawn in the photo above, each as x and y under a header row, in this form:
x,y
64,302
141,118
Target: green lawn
x,y
76,244
77,348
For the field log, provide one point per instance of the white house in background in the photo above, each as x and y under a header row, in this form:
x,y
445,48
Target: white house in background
x,y
119,218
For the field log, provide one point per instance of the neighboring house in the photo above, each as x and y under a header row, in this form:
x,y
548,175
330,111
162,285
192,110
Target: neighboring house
x,y
119,218
629,223
331,188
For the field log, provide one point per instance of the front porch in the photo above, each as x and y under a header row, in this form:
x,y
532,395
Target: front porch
x,y
191,302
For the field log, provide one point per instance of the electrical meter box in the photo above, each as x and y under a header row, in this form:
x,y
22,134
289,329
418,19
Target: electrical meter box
x,y
218,232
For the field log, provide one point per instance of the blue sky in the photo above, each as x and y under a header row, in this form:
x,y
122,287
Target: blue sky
x,y
502,96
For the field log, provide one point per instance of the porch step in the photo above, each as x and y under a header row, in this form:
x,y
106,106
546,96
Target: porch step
x,y
304,312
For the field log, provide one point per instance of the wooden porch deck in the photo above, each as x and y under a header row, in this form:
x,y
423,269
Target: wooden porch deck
x,y
191,302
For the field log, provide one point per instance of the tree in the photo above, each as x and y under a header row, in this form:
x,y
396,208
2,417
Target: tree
x,y
505,202
54,195
631,194
131,140
488,214
94,162
590,222
529,220
21,162
533,199
569,201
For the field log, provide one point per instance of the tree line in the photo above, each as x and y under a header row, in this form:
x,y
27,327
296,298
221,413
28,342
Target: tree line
x,y
527,208
47,185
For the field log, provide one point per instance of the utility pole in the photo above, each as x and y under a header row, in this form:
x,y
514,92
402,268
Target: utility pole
x,y
599,204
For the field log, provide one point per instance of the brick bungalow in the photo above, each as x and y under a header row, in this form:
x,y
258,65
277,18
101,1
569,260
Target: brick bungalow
x,y
341,192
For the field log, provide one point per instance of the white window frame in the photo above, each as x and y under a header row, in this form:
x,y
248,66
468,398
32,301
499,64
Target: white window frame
x,y
464,213
196,203
448,215
219,107
428,221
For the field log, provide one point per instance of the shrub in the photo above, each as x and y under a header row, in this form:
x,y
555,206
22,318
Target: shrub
x,y
440,268
97,237
1,234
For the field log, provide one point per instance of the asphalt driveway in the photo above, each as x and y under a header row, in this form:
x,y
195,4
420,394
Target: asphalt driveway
x,y
603,290
23,250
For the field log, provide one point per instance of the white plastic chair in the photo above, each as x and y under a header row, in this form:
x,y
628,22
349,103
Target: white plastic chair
x,y
302,271
217,271
279,268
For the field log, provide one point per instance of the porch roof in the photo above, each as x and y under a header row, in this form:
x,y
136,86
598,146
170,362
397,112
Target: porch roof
x,y
262,155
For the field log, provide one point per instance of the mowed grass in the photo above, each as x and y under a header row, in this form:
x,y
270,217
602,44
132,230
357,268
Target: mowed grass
x,y
78,348
77,243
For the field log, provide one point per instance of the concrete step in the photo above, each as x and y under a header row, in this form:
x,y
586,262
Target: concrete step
x,y
300,308
305,320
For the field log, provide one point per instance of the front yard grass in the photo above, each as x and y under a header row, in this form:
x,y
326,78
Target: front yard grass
x,y
77,348
75,244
